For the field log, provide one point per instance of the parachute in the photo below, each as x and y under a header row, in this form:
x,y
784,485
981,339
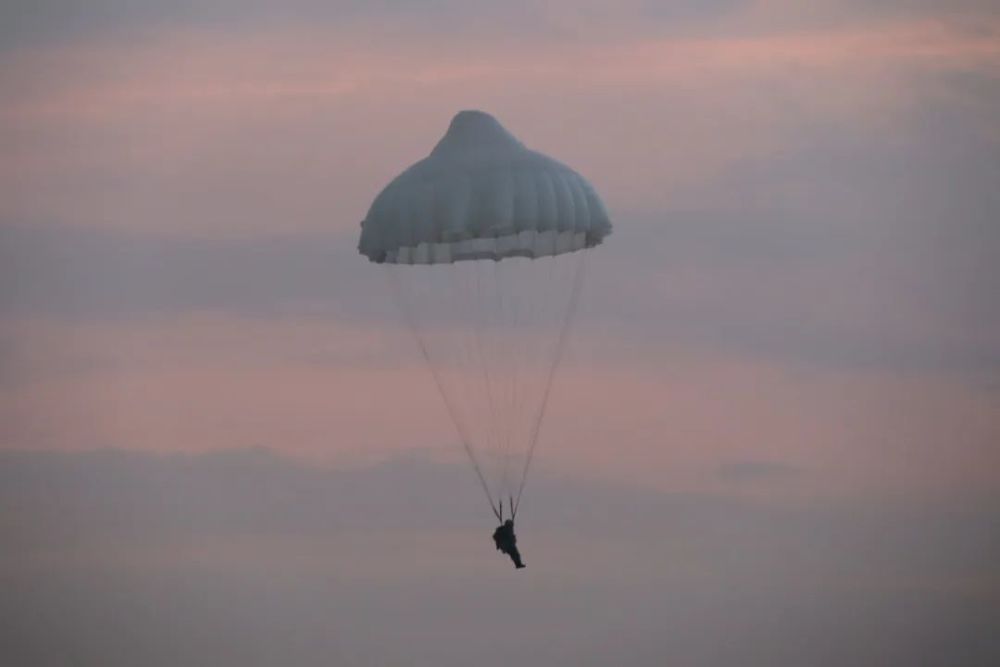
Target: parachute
x,y
485,245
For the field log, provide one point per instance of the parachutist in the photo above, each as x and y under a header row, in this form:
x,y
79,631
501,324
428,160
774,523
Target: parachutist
x,y
506,542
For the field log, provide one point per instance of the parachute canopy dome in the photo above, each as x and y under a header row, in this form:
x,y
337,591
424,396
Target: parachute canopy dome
x,y
481,194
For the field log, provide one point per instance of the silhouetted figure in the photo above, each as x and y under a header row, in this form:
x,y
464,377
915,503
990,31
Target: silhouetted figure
x,y
506,542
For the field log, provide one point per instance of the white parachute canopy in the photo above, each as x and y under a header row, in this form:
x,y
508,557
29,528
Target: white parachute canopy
x,y
484,244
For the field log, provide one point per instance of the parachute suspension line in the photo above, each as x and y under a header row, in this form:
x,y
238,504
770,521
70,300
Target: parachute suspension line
x,y
509,361
560,347
530,349
516,347
452,410
476,375
486,310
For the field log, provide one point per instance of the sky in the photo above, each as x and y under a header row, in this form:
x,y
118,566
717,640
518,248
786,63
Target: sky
x,y
795,318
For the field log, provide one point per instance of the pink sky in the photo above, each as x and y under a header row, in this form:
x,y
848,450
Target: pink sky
x,y
272,130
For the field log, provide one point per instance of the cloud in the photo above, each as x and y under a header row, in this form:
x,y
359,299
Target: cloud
x,y
30,22
246,558
46,21
851,248
758,472
92,273
295,127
